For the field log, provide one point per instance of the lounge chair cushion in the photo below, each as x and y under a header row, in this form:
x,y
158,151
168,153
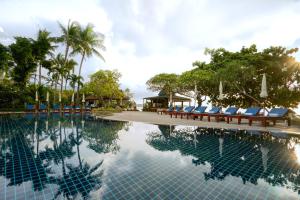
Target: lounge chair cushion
x,y
30,107
170,109
231,111
188,109
214,110
55,106
278,112
252,111
43,107
200,109
177,109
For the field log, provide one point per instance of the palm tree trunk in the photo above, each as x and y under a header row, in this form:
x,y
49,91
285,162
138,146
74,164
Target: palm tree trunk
x,y
40,74
66,84
78,152
61,89
79,74
55,89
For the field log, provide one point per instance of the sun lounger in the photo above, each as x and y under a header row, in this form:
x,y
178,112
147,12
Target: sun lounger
x,y
252,111
175,111
30,108
228,112
67,108
165,110
274,115
213,110
56,108
88,109
186,111
43,108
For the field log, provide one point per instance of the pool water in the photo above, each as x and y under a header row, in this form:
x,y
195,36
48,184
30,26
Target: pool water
x,y
79,157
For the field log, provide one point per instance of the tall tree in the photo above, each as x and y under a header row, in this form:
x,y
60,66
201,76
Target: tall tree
x,y
5,60
167,82
42,47
88,44
70,38
24,60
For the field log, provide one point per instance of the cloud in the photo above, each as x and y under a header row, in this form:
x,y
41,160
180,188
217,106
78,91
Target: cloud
x,y
144,37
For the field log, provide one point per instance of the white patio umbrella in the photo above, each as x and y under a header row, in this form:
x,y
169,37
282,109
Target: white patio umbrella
x,y
72,98
264,91
59,97
221,95
47,97
36,96
83,98
195,95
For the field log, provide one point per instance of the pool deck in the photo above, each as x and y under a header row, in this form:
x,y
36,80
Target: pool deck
x,y
154,118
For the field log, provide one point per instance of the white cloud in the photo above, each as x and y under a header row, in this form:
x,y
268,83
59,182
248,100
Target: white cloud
x,y
144,37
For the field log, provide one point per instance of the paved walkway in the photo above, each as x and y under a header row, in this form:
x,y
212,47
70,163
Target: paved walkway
x,y
154,118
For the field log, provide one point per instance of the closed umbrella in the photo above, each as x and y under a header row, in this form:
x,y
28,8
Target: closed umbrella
x,y
47,97
36,96
264,91
73,98
221,96
59,97
83,98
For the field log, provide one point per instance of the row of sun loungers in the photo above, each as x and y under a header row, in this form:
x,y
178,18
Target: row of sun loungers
x,y
251,114
56,108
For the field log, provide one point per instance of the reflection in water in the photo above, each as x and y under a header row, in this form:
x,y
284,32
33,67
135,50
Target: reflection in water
x,y
78,157
297,152
56,169
250,156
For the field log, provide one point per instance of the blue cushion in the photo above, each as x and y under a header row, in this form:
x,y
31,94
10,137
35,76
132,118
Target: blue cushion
x,y
177,108
30,107
43,107
170,109
188,109
278,112
231,111
55,106
200,109
252,111
214,110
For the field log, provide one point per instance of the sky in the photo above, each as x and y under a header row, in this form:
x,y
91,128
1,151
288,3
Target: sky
x,y
147,37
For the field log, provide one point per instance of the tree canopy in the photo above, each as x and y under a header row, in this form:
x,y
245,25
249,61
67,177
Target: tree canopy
x,y
241,73
104,84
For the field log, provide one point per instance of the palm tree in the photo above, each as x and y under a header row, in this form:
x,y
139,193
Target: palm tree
x,y
89,42
74,79
63,67
42,47
70,37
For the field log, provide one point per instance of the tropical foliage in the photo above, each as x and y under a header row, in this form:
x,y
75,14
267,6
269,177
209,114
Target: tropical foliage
x,y
110,87
37,64
241,73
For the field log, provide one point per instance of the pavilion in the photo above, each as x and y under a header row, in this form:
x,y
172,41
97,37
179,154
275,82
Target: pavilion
x,y
162,101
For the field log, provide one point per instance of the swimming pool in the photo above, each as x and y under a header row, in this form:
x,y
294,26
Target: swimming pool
x,y
82,157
